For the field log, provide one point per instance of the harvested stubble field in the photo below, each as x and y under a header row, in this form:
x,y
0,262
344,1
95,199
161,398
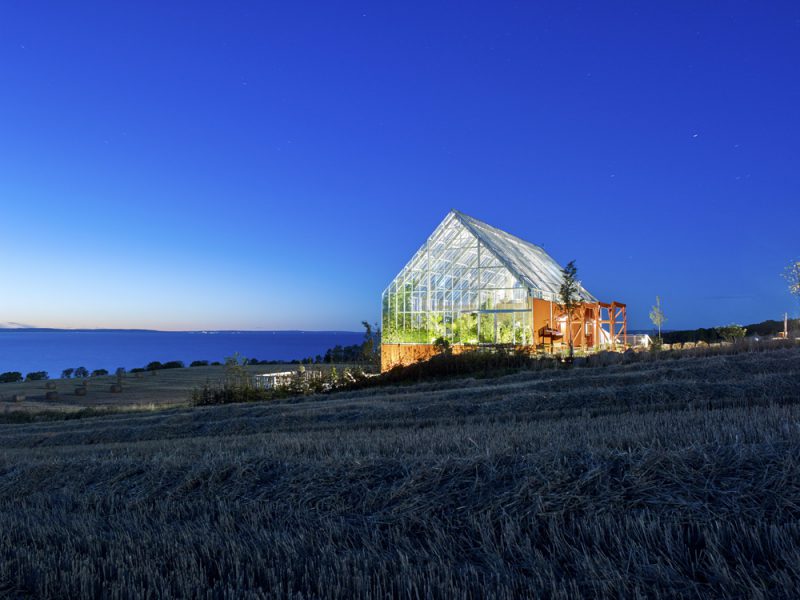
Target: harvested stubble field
x,y
676,478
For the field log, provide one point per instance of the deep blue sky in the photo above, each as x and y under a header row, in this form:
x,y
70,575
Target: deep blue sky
x,y
273,165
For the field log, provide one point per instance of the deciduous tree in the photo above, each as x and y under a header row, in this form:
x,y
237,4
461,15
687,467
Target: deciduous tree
x,y
569,298
368,353
792,276
657,316
731,333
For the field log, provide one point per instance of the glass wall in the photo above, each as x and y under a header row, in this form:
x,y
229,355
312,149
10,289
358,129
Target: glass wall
x,y
456,289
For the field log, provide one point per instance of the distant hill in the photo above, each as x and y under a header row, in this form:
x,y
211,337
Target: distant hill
x,y
703,334
11,325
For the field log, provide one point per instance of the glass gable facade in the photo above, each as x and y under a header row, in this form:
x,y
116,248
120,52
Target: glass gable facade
x,y
456,287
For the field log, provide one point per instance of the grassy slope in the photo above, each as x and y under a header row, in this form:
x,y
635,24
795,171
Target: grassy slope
x,y
668,478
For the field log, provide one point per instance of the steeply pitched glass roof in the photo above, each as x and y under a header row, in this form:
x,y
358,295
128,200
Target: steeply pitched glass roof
x,y
528,262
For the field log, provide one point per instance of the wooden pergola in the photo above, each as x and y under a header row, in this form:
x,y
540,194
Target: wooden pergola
x,y
591,325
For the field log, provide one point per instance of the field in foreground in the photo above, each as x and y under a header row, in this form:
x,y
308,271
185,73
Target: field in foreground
x,y
654,479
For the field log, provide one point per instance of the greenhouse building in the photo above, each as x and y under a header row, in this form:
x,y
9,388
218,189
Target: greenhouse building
x,y
475,286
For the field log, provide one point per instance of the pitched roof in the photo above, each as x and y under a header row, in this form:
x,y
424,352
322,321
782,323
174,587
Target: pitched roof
x,y
528,262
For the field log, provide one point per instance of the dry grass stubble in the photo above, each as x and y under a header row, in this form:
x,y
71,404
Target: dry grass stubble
x,y
642,480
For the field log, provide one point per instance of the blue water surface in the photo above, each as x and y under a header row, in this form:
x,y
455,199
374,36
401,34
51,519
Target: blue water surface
x,y
54,351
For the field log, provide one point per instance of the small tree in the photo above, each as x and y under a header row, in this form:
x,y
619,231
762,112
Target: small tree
x,y
731,333
792,275
299,383
67,373
368,353
657,316
441,345
333,377
235,371
569,298
81,373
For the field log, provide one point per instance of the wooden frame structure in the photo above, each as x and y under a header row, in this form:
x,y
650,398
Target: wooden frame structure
x,y
592,325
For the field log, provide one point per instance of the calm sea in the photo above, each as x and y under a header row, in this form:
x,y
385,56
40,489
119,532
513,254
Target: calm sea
x,y
54,351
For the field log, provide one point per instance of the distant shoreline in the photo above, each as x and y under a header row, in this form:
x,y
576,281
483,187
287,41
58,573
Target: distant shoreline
x,y
53,350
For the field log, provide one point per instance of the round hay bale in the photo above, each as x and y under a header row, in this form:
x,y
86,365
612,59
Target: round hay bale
x,y
19,397
51,395
116,388
80,390
50,385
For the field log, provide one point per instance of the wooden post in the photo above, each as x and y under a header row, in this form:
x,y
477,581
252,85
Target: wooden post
x,y
625,323
611,327
583,326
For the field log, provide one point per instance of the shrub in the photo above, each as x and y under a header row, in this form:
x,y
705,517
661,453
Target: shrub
x,y
731,333
154,366
173,364
10,377
199,363
137,370
36,376
228,393
216,363
99,372
442,345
